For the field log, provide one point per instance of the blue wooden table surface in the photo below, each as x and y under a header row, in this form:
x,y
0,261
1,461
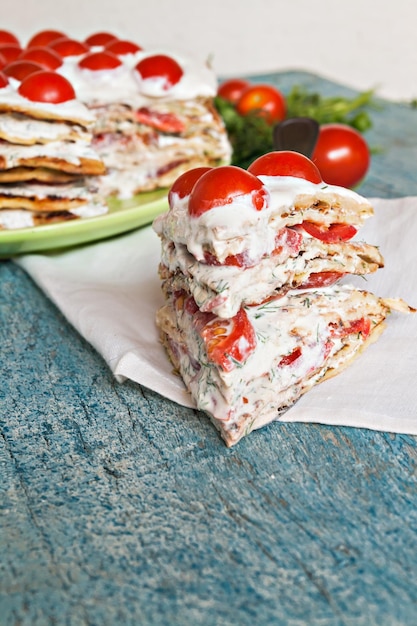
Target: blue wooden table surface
x,y
121,508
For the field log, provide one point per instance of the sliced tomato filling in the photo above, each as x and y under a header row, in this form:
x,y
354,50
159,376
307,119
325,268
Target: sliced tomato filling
x,y
321,279
330,234
290,358
165,122
362,326
229,342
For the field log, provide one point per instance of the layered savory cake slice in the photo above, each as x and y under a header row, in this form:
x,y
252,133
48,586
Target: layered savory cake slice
x,y
255,313
236,253
247,370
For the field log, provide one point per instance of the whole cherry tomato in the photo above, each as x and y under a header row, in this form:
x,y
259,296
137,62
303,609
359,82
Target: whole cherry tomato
x,y
232,89
285,163
122,46
160,66
97,61
46,57
66,47
10,52
21,69
221,185
264,100
46,86
341,154
6,37
100,39
44,37
183,185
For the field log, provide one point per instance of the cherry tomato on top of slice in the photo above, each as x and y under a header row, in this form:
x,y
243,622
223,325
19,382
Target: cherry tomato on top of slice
x,y
6,37
263,100
229,341
341,154
221,185
97,61
184,184
122,46
66,47
44,37
46,57
100,39
10,52
285,163
160,66
21,69
46,86
232,89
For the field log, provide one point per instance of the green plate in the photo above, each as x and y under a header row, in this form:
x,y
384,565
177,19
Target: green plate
x,y
123,215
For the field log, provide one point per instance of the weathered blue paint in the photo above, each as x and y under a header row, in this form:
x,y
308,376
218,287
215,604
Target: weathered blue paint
x,y
121,508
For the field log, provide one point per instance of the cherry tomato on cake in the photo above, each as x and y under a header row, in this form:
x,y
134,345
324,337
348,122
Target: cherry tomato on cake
x,y
97,61
44,37
263,100
229,341
10,52
160,66
6,37
222,185
184,184
46,86
3,61
46,57
21,69
4,81
100,39
341,154
286,163
122,46
68,47
232,89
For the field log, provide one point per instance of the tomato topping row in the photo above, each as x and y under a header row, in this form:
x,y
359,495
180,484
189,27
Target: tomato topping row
x,y
101,51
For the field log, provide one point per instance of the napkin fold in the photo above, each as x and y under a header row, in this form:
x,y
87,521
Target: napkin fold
x,y
110,292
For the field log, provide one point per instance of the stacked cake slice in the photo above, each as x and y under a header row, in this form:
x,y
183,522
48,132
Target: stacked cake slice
x,y
255,313
48,167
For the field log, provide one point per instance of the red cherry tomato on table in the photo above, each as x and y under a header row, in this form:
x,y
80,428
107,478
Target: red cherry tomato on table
x,y
184,184
221,185
44,37
97,61
46,57
232,89
21,69
122,46
46,86
68,47
264,100
6,37
160,66
10,52
341,154
100,39
285,163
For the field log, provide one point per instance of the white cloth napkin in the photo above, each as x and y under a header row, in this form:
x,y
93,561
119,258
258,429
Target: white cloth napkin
x,y
110,291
